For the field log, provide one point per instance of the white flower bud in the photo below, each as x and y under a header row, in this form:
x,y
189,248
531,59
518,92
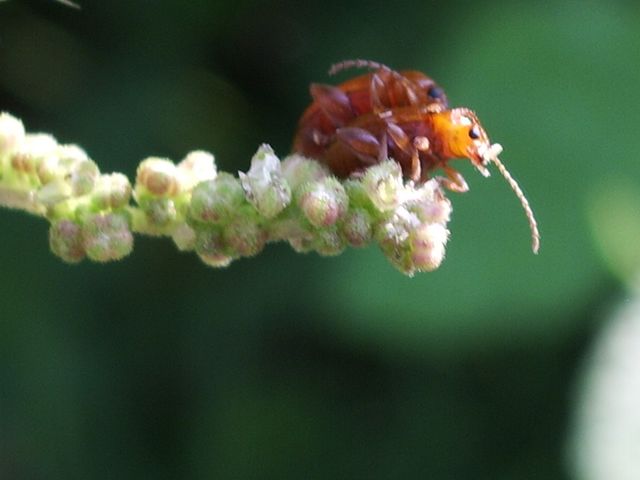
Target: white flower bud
x,y
384,185
11,133
264,185
196,167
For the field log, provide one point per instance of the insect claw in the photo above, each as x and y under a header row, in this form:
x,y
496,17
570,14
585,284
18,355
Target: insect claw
x,y
483,170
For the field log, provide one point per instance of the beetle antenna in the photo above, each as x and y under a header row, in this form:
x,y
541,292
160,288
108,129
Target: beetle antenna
x,y
356,63
495,149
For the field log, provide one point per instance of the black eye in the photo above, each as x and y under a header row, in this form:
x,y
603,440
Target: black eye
x,y
435,92
474,132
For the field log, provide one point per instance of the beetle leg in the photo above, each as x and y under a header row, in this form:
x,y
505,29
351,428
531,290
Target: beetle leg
x,y
453,181
361,143
378,90
333,102
410,149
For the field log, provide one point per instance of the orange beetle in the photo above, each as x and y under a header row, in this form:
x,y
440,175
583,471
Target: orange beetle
x,y
352,126
335,106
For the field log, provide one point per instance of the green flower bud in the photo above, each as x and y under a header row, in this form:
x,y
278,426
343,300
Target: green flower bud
x,y
159,211
34,148
69,162
211,249
54,192
111,191
157,176
329,242
245,237
83,177
358,195
383,183
302,242
357,227
323,202
394,238
65,241
196,167
184,237
298,170
265,187
11,133
107,237
218,200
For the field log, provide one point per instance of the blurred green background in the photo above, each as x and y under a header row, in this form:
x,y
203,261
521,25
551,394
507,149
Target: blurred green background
x,y
296,366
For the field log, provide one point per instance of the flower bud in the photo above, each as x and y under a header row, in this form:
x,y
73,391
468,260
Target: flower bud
x,y
394,238
68,162
54,192
384,185
357,227
111,191
196,167
106,237
157,176
428,246
244,236
218,200
11,133
32,150
302,241
323,202
65,241
264,185
328,242
159,211
184,237
83,177
211,249
298,170
358,194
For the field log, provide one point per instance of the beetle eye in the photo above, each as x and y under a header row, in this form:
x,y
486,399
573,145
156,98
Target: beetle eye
x,y
474,132
435,92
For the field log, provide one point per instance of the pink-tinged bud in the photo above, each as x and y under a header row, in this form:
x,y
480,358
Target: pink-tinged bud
x,y
211,249
323,202
65,241
11,133
357,227
157,176
428,246
216,201
107,237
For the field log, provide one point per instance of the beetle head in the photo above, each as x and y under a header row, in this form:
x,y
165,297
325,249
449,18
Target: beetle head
x,y
463,137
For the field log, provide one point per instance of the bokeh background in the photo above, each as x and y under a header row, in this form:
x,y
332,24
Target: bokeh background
x,y
297,366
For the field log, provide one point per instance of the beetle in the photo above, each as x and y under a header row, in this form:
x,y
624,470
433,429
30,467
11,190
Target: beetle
x,y
381,89
422,140
352,126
